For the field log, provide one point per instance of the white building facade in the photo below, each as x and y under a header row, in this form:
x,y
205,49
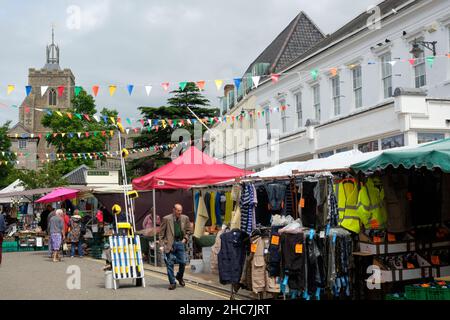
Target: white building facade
x,y
354,89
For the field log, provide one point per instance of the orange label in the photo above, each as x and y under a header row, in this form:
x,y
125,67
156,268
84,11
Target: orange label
x,y
410,266
391,237
374,224
377,239
435,260
253,247
298,248
275,240
302,202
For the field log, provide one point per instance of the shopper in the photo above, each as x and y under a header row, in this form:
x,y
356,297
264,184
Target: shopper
x,y
44,217
57,234
175,231
2,231
50,216
74,237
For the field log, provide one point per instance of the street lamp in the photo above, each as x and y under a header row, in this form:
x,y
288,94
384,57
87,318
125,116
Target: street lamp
x,y
417,50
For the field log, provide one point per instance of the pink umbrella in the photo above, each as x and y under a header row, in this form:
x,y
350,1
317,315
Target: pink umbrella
x,y
59,194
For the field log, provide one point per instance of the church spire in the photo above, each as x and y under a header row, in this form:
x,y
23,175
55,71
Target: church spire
x,y
52,54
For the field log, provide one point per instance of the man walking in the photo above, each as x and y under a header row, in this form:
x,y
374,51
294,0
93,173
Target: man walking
x,y
175,231
2,231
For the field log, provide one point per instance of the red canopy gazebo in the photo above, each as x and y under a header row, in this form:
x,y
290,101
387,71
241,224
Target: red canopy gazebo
x,y
192,168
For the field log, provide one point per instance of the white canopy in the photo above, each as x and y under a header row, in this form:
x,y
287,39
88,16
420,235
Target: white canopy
x,y
15,186
341,160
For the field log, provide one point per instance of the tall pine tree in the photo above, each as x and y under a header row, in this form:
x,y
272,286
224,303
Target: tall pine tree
x,y
177,108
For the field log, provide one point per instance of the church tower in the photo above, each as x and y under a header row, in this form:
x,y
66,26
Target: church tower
x,y
51,76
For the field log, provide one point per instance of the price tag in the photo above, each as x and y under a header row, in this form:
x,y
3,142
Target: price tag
x,y
275,240
391,237
302,202
374,224
253,247
377,239
298,248
435,260
410,265
322,234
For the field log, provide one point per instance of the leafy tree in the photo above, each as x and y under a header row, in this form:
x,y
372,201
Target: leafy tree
x,y
83,104
5,145
47,177
190,97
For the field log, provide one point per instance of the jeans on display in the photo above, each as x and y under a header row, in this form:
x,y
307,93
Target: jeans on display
x,y
78,244
276,192
274,263
177,255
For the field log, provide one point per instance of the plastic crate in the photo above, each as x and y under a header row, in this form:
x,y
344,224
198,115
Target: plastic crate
x,y
416,292
439,293
395,296
9,249
9,244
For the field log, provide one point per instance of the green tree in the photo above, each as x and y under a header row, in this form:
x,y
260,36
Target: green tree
x,y
47,177
5,145
190,97
83,104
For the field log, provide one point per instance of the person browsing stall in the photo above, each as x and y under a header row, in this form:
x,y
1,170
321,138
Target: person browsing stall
x,y
175,231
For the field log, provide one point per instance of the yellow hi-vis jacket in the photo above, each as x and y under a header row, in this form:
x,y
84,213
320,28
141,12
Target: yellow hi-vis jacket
x,y
371,209
347,197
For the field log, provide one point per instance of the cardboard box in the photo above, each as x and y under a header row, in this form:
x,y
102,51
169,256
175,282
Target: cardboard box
x,y
366,245
387,275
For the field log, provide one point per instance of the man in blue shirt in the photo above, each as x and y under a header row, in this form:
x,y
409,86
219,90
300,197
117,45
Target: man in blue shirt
x,y
2,231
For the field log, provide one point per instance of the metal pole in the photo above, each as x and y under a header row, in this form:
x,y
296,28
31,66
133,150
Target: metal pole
x,y
154,225
124,176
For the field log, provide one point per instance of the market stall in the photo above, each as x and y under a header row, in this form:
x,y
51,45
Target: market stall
x,y
191,168
413,243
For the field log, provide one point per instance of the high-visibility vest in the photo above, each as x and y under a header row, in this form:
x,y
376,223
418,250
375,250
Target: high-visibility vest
x,y
347,197
371,209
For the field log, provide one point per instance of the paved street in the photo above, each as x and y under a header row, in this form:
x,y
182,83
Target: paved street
x,y
31,275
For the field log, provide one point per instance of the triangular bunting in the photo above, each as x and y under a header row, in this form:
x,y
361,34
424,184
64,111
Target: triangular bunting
x,y
95,90
10,89
28,90
112,90
183,85
77,90
255,80
130,89
275,77
165,86
237,82
43,90
201,84
148,89
218,84
60,91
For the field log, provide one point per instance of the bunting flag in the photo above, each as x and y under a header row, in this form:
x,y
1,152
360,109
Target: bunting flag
x,y
95,90
86,116
113,120
165,86
63,134
96,118
148,89
255,80
430,61
78,90
28,90
393,62
59,114
60,91
183,85
314,74
275,77
105,119
78,116
201,85
333,72
412,61
27,109
218,84
111,132
112,90
43,90
237,82
130,89
10,89
127,130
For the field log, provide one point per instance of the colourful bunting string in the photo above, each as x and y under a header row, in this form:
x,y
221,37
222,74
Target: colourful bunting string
x,y
201,85
130,89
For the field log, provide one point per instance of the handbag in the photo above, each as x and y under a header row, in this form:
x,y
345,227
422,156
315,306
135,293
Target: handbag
x,y
65,247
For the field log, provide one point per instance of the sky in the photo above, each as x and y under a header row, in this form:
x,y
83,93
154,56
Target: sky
x,y
148,42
